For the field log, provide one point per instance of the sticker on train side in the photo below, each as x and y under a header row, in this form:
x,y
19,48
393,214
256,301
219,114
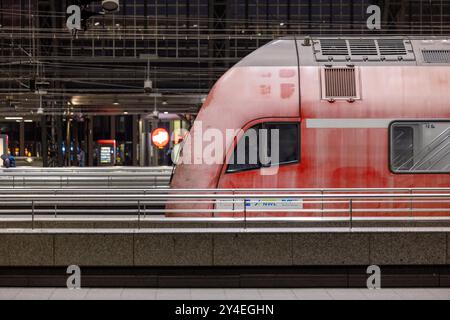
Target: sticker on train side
x,y
259,204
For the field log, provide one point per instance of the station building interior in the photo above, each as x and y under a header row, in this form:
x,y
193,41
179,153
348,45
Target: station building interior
x,y
63,93
95,96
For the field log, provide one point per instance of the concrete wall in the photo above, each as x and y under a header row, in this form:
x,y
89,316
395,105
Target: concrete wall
x,y
224,249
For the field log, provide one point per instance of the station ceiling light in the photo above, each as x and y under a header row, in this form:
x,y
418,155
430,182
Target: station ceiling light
x,y
110,5
13,118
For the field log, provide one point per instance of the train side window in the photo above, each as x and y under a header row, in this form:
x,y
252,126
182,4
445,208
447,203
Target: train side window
x,y
266,145
420,147
402,147
245,155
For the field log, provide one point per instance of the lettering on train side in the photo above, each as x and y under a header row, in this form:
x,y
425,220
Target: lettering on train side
x,y
287,73
287,90
265,89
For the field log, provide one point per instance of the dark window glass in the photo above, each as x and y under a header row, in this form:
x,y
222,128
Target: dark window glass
x,y
245,155
420,147
265,145
402,147
288,142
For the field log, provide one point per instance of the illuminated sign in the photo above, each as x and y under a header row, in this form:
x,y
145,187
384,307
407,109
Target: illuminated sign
x,y
105,155
160,138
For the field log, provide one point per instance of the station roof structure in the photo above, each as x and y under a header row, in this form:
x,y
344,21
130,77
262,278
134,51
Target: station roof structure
x,y
182,46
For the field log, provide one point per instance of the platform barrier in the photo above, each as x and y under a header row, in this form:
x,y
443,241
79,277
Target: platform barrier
x,y
109,177
283,206
125,228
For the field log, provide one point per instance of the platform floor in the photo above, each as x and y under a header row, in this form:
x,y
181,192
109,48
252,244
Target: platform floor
x,y
222,294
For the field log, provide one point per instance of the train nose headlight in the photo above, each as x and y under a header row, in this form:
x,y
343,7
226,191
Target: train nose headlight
x,y
110,5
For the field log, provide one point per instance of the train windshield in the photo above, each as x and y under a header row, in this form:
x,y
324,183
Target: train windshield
x,y
266,145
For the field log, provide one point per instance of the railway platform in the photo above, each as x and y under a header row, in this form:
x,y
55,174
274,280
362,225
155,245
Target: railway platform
x,y
222,294
129,236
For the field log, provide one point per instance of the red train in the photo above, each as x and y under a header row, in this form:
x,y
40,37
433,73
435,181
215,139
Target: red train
x,y
350,113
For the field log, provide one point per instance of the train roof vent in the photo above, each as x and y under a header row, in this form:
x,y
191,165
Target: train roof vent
x,y
436,56
340,83
334,47
392,47
363,47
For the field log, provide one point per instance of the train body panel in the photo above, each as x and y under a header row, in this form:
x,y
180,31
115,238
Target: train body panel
x,y
348,115
240,97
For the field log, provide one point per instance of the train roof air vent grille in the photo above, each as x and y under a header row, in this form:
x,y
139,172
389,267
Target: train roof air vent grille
x,y
340,83
363,50
436,56
363,47
334,47
391,47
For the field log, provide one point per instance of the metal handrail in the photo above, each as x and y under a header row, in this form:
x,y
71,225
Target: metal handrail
x,y
83,174
136,197
154,177
234,190
85,169
345,205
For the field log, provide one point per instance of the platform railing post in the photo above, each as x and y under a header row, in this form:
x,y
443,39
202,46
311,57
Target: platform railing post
x,y
411,202
56,214
245,213
233,206
351,213
321,202
139,214
145,204
32,214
